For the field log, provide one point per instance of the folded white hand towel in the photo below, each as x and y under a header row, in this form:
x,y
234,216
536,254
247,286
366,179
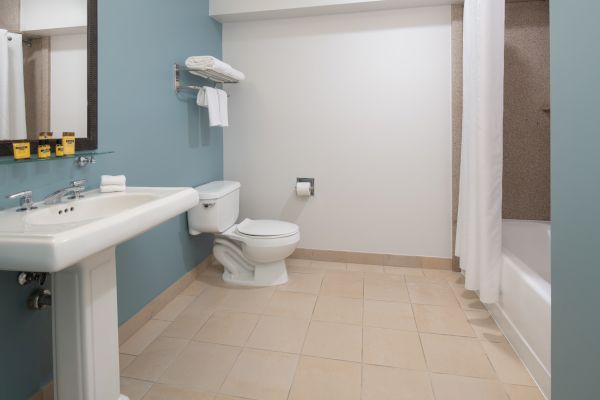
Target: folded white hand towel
x,y
214,111
223,108
214,64
112,188
112,180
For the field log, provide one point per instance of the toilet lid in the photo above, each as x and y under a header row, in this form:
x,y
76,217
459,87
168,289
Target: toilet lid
x,y
267,227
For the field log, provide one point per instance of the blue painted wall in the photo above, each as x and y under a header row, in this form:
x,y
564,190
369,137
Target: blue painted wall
x,y
159,139
575,83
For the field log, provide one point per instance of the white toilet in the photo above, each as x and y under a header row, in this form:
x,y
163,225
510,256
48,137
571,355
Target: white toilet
x,y
253,252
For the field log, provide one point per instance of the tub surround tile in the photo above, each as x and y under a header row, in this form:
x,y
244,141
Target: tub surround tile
x,y
449,387
456,356
229,328
393,348
323,379
337,341
442,320
202,366
507,364
383,314
385,383
263,375
339,309
142,338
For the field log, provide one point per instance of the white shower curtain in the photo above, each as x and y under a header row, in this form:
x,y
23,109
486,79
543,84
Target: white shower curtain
x,y
12,88
479,229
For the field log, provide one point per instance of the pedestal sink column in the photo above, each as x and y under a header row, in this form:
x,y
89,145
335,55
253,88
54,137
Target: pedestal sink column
x,y
85,330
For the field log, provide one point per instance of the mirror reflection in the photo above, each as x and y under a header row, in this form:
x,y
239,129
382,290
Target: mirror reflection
x,y
43,68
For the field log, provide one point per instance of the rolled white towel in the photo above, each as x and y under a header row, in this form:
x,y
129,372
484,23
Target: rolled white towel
x,y
214,64
112,180
112,188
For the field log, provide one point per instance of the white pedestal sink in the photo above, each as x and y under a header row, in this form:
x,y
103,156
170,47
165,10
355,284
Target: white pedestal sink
x,y
76,242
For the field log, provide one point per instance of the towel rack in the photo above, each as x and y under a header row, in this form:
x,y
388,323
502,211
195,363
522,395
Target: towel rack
x,y
206,74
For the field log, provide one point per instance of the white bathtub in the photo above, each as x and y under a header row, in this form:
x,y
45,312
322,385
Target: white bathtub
x,y
523,311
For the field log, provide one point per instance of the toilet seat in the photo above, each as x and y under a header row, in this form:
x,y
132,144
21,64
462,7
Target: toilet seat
x,y
266,228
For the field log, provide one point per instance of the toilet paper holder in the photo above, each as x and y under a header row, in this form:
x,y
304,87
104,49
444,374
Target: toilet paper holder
x,y
309,180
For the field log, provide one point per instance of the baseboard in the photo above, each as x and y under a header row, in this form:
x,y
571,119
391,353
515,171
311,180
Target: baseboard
x,y
133,324
535,367
391,260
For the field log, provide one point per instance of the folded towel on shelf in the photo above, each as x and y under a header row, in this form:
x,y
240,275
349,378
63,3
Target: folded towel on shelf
x,y
112,188
112,180
213,64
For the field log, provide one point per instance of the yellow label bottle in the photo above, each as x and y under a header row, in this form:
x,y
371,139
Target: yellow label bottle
x,y
21,150
68,142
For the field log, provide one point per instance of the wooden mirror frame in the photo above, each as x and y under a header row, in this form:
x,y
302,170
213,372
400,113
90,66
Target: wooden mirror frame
x,y
91,141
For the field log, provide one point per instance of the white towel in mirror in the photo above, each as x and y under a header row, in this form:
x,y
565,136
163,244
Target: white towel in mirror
x,y
12,88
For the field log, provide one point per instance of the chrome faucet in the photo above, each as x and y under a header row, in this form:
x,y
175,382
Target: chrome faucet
x,y
25,200
71,192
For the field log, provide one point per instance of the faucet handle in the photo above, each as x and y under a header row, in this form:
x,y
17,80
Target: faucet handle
x,y
25,200
79,183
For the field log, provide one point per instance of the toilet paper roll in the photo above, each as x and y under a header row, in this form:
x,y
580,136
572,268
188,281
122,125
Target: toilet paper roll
x,y
303,189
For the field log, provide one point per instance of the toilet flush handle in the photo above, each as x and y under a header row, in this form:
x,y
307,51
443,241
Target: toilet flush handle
x,y
208,205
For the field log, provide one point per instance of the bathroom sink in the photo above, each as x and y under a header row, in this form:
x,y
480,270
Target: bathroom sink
x,y
55,237
76,241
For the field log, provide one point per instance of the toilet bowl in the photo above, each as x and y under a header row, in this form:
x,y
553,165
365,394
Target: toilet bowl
x,y
252,252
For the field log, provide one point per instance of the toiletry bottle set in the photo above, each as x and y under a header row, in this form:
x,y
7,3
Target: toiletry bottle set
x,y
63,147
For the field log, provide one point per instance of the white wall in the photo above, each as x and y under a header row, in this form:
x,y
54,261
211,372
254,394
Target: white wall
x,y
53,15
362,103
68,84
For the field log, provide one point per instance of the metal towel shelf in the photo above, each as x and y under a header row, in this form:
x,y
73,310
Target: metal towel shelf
x,y
206,74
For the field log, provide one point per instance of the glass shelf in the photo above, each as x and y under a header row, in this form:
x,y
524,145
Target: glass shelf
x,y
11,161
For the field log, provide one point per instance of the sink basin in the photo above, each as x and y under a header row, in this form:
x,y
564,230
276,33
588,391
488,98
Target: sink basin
x,y
76,242
55,237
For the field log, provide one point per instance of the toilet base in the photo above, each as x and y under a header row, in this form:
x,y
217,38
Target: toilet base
x,y
241,271
263,275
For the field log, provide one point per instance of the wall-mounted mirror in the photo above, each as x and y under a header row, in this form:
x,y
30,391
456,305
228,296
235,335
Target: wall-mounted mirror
x,y
48,71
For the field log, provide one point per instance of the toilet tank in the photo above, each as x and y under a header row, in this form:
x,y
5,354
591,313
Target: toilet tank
x,y
218,209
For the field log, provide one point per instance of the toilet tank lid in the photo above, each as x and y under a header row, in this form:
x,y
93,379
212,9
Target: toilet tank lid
x,y
217,189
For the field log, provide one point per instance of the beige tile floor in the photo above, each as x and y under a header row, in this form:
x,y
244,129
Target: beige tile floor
x,y
335,331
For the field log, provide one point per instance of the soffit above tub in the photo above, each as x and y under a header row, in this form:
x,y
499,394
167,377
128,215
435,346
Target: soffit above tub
x,y
243,10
